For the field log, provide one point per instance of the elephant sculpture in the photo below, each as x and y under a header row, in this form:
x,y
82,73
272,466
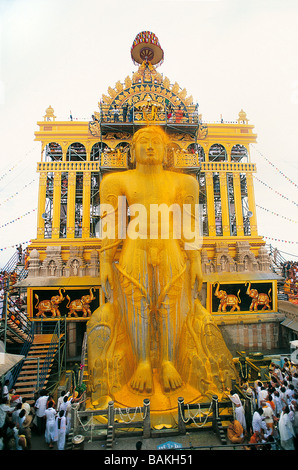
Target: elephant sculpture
x,y
51,305
258,298
81,304
227,300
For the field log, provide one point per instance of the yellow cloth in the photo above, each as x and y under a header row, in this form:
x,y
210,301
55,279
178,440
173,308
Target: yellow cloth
x,y
235,431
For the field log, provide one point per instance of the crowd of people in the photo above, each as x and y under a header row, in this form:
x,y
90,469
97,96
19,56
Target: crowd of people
x,y
269,416
45,418
16,311
127,113
290,272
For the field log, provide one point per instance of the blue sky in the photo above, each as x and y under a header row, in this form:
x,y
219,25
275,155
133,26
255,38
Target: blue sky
x,y
228,54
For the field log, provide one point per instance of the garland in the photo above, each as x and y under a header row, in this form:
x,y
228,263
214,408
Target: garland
x,y
10,169
192,417
16,164
275,167
18,218
13,246
280,240
17,193
276,192
275,213
130,419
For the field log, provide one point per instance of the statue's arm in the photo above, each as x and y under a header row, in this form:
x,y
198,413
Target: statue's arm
x,y
110,190
191,236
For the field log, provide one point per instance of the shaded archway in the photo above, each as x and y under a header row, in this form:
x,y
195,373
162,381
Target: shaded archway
x,y
239,153
196,148
76,152
53,152
96,151
217,153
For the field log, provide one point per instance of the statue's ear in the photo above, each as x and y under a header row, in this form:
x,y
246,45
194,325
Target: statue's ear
x,y
166,160
132,154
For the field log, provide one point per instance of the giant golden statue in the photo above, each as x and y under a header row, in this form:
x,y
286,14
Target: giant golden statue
x,y
153,338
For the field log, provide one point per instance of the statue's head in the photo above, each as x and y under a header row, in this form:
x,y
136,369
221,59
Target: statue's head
x,y
149,145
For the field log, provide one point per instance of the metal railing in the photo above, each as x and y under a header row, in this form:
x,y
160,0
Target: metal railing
x,y
11,263
148,113
56,347
24,351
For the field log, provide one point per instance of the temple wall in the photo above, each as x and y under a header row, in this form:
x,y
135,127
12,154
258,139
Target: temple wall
x,y
263,334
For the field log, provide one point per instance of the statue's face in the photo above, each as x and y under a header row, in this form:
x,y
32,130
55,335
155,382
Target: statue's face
x,y
149,148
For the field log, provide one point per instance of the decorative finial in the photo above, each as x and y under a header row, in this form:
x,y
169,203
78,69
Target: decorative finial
x,y
146,48
242,119
49,114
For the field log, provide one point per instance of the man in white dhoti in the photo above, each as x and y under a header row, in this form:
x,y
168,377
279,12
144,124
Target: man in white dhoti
x,y
239,410
50,414
60,430
286,430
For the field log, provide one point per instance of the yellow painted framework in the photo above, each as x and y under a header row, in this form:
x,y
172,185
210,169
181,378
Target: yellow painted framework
x,y
66,133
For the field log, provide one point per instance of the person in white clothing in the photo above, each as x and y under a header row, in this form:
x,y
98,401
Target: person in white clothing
x,y
268,416
278,403
239,410
286,430
26,406
40,407
290,392
60,430
61,398
66,408
263,394
258,423
5,390
50,414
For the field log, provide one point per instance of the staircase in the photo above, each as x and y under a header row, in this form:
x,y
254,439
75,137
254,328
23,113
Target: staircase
x,y
14,333
277,259
29,379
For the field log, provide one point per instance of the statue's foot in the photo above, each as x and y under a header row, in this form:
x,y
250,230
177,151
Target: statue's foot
x,y
142,380
170,378
101,402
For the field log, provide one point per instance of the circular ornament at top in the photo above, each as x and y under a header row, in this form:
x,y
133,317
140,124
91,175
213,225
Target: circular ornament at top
x,y
146,48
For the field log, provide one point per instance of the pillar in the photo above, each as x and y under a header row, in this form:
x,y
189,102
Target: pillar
x,y
225,213
86,204
56,205
41,203
210,204
251,204
238,204
147,419
71,199
181,419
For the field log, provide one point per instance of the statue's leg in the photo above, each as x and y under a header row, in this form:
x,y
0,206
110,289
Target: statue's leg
x,y
136,304
100,330
172,305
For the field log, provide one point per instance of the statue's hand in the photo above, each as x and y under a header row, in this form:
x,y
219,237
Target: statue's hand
x,y
196,277
107,278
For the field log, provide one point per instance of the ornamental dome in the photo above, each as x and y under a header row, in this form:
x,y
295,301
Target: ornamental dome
x,y
146,47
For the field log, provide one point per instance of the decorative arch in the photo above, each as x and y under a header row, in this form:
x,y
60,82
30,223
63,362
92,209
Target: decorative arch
x,y
196,148
149,95
239,153
173,150
217,153
123,146
76,152
53,152
96,150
